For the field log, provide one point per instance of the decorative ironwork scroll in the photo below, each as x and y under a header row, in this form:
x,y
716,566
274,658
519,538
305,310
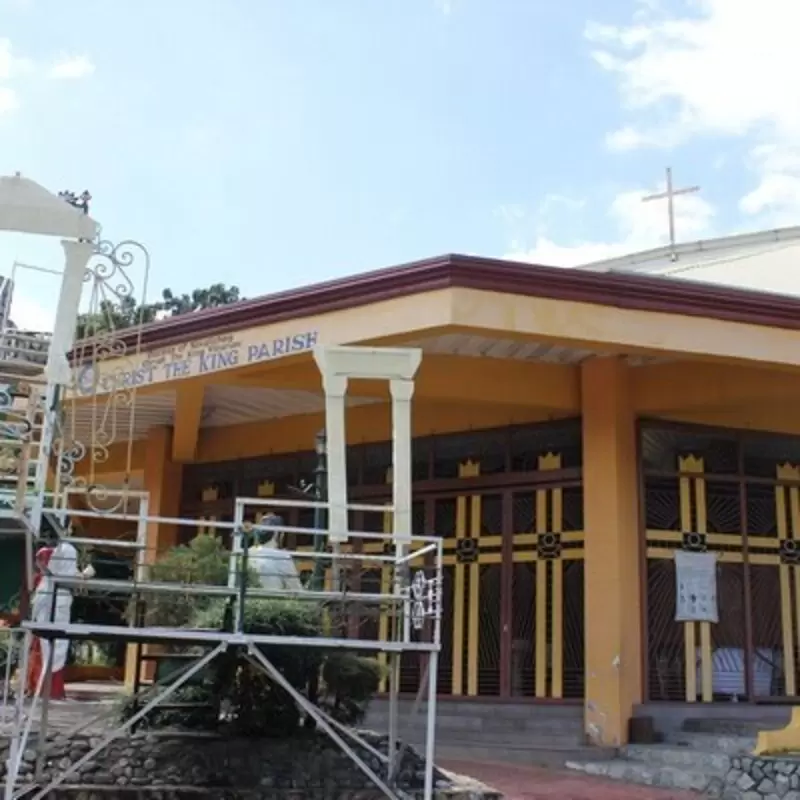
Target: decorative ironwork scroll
x,y
102,408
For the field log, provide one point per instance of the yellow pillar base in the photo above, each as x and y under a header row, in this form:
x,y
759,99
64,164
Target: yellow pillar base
x,y
130,667
786,740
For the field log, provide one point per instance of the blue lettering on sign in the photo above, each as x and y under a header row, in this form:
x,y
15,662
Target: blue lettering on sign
x,y
210,362
85,378
204,361
281,347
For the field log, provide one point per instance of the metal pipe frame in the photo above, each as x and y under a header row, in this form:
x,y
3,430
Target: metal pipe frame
x,y
209,590
74,630
257,658
252,526
16,748
33,500
145,695
169,690
323,504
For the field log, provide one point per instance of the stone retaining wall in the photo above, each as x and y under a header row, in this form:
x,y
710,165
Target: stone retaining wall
x,y
752,778
168,767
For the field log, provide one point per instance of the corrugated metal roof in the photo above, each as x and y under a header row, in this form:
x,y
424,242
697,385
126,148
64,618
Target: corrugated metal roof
x,y
462,344
767,261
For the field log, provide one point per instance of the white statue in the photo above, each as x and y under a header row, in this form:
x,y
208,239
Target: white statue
x,y
275,567
52,563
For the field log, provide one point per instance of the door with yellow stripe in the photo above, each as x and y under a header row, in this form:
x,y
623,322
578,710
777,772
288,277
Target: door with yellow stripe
x,y
513,589
730,496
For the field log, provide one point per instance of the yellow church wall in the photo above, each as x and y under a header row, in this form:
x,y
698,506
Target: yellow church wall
x,y
582,324
459,394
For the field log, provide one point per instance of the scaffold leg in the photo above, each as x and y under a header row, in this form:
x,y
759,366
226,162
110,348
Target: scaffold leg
x,y
11,647
394,688
45,701
169,690
430,728
16,747
259,659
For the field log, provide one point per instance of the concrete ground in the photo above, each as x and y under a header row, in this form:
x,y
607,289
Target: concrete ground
x,y
516,782
532,783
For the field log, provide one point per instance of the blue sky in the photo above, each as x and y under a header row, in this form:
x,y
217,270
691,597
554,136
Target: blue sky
x,y
271,143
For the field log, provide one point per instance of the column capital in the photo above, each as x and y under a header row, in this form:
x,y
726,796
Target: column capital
x,y
401,390
77,248
335,385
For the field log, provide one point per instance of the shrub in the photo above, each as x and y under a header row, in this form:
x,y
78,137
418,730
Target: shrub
x,y
233,693
349,682
203,561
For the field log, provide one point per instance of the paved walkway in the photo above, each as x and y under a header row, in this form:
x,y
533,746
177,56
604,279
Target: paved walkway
x,y
531,783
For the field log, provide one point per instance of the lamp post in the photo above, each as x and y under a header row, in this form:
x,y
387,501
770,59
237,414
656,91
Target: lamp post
x,y
320,516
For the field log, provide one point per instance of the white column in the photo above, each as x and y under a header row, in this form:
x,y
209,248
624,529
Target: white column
x,y
77,257
335,390
402,392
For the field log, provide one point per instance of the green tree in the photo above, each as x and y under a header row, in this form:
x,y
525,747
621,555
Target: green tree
x,y
218,294
128,312
116,316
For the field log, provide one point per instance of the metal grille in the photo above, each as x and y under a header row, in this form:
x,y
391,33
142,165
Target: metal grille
x,y
733,495
512,621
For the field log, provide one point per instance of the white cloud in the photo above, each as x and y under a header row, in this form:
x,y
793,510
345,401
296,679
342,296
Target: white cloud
x,y
71,68
719,68
28,314
8,99
11,65
14,69
634,225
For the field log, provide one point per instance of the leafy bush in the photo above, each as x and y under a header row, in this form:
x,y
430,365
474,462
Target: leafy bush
x,y
203,561
233,693
349,682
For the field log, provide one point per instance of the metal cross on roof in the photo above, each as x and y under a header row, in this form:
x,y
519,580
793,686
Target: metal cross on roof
x,y
670,195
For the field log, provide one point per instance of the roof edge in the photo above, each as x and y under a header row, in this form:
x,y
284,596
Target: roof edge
x,y
643,257
615,289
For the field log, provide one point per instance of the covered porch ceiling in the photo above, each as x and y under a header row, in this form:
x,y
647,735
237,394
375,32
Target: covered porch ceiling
x,y
244,396
460,369
481,346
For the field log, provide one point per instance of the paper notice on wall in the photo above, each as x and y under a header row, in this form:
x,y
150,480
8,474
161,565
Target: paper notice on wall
x,y
696,590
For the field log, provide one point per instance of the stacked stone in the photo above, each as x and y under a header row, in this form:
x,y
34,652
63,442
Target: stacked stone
x,y
168,767
752,778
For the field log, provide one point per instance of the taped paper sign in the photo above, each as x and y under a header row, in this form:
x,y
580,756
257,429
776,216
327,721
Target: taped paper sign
x,y
696,589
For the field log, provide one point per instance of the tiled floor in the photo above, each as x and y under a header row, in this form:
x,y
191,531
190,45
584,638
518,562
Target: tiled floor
x,y
531,783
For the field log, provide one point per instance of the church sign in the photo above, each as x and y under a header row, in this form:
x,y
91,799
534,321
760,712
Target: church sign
x,y
188,360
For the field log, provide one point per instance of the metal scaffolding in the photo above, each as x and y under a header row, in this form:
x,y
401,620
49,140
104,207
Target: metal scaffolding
x,y
42,381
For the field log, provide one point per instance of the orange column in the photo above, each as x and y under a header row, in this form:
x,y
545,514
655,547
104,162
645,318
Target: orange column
x,y
162,481
612,565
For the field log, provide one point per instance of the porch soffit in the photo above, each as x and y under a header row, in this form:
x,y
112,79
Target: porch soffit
x,y
235,403
478,346
222,405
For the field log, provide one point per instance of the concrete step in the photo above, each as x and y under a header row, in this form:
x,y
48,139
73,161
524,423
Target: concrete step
x,y
477,725
552,755
95,691
668,777
504,740
689,759
521,733
734,727
474,708
713,742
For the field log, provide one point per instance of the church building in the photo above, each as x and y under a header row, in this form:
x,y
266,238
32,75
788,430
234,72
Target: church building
x,y
612,460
